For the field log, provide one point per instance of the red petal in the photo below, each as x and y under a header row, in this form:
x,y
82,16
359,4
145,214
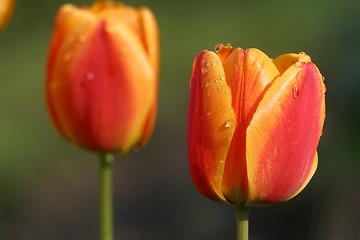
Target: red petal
x,y
284,133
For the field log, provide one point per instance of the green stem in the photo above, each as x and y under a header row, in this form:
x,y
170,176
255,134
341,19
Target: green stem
x,y
106,205
242,223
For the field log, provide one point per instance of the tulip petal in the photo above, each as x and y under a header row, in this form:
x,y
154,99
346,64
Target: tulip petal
x,y
283,135
146,76
210,124
6,10
248,73
308,178
73,26
284,61
150,34
151,44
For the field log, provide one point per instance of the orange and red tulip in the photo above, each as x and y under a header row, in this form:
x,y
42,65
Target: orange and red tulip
x,y
6,9
102,75
254,125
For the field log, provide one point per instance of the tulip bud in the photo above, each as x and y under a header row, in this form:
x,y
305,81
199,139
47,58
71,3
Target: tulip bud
x,y
254,125
6,9
102,75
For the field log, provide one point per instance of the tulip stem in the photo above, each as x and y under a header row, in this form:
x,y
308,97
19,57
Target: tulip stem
x,y
242,223
106,203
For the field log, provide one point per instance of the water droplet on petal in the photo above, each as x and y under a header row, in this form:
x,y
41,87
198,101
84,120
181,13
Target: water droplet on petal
x,y
88,79
213,64
302,53
219,88
216,81
90,76
226,91
229,123
204,70
298,64
67,57
222,78
295,90
209,113
207,84
218,47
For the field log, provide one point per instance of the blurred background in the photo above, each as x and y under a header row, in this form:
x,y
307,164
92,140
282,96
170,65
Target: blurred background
x,y
48,187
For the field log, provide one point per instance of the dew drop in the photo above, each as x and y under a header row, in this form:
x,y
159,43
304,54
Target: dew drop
x,y
218,47
295,90
216,81
226,91
207,84
213,64
302,53
90,76
208,92
209,113
298,64
204,70
88,79
67,57
222,78
219,88
229,123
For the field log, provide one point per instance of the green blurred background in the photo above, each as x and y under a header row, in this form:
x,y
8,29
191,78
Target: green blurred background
x,y
48,188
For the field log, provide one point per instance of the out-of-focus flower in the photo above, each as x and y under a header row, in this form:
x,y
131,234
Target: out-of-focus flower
x,y
254,125
102,75
6,9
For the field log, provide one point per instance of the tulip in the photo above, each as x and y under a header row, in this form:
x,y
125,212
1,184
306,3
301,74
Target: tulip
x,y
102,70
254,124
101,84
6,9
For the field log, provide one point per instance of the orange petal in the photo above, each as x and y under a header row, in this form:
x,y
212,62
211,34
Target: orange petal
x,y
283,135
150,35
248,73
151,44
6,10
284,61
210,124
